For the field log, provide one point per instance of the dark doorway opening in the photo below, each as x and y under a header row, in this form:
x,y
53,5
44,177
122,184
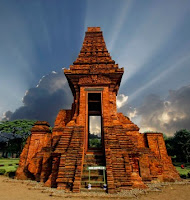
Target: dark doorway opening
x,y
94,121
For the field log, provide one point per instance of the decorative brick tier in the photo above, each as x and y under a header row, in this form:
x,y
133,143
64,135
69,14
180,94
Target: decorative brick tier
x,y
59,158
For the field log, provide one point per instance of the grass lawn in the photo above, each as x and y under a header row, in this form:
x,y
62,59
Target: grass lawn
x,y
182,172
9,164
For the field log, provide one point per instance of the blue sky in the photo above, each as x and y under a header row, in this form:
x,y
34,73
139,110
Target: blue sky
x,y
150,39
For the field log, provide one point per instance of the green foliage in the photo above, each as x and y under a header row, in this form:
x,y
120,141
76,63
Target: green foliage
x,y
95,143
10,173
148,131
178,146
170,146
184,176
165,136
181,141
13,135
2,171
184,173
20,127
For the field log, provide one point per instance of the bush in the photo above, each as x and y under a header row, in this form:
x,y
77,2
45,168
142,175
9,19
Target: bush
x,y
184,176
188,175
2,171
10,174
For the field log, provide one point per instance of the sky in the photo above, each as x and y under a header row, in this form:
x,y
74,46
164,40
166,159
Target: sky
x,y
150,39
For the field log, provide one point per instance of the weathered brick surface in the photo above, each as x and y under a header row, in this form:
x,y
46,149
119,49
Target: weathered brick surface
x,y
59,158
35,152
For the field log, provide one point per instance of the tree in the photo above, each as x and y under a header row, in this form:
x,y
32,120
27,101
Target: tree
x,y
179,145
170,146
182,144
13,135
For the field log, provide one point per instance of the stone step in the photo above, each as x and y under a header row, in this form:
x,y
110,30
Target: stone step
x,y
129,187
93,178
85,166
92,172
97,190
93,161
96,176
94,156
94,184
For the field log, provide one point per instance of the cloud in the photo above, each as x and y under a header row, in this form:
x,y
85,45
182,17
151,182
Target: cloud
x,y
45,100
127,109
53,93
121,100
95,125
168,115
6,116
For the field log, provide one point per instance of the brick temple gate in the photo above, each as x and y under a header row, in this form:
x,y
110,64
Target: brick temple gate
x,y
92,133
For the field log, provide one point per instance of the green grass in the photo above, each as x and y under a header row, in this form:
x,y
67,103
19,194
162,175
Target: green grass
x,y
6,164
14,161
183,172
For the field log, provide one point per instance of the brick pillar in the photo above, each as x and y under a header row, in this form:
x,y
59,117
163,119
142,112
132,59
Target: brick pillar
x,y
32,155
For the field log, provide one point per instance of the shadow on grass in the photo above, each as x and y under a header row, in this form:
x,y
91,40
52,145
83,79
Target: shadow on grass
x,y
184,173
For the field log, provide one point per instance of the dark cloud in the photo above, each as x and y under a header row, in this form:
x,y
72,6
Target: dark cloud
x,y
6,116
45,100
53,93
166,116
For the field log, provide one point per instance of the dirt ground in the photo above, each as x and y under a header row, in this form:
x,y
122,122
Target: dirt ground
x,y
11,189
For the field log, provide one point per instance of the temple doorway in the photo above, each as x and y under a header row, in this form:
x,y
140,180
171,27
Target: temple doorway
x,y
95,139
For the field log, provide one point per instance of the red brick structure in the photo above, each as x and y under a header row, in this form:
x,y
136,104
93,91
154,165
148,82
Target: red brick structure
x,y
60,159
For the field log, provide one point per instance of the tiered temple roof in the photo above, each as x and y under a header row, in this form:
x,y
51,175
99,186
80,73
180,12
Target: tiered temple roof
x,y
94,49
95,59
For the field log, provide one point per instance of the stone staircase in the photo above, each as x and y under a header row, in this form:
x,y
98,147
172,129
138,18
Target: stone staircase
x,y
96,176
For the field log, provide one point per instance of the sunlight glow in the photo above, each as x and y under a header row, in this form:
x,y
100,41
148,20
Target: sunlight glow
x,y
169,67
119,23
145,44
